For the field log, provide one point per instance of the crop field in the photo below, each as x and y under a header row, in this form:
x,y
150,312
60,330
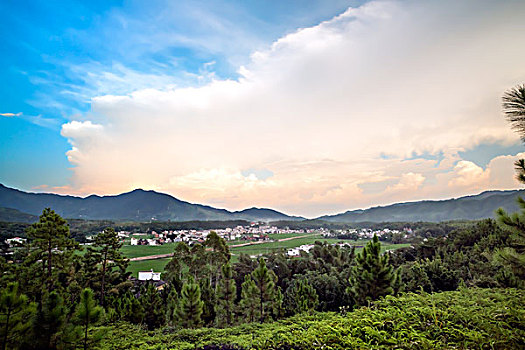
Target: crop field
x,y
252,249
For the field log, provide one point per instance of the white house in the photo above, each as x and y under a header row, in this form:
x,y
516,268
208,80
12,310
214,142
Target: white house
x,y
149,276
134,241
15,241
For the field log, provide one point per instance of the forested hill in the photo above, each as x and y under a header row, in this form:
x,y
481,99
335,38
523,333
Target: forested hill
x,y
475,207
137,205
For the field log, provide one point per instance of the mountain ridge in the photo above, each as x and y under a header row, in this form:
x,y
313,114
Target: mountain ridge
x,y
136,205
148,205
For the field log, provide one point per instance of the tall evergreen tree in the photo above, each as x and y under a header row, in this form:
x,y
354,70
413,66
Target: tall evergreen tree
x,y
514,256
51,248
218,254
226,294
87,314
171,300
249,304
301,297
373,276
266,289
15,315
209,299
49,321
108,260
175,269
190,305
151,301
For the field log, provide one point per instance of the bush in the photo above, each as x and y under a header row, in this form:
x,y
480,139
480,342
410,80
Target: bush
x,y
468,318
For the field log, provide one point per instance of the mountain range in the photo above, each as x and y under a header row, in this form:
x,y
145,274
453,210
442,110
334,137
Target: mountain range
x,y
141,206
137,205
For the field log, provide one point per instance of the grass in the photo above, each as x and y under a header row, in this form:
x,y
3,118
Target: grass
x,y
134,251
157,265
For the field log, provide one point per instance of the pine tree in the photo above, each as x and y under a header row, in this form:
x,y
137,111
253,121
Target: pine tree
x,y
301,297
15,315
266,289
49,321
226,294
249,304
51,249
190,305
218,254
171,301
133,311
111,264
209,299
278,304
373,276
151,301
514,256
176,266
87,314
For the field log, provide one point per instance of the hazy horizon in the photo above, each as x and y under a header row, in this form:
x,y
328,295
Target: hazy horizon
x,y
309,108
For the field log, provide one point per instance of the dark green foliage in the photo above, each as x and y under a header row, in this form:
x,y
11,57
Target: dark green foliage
x,y
50,251
226,294
249,307
264,280
209,302
190,305
301,297
132,309
153,306
513,256
514,109
373,277
108,263
217,254
15,315
48,323
171,300
464,319
87,314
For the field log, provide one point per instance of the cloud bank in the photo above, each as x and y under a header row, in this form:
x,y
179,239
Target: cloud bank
x,y
335,116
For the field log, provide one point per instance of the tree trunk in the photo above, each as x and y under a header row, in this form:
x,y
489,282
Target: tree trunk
x,y
86,336
49,267
104,262
4,346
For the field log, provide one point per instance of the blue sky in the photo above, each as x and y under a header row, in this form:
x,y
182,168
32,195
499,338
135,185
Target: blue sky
x,y
267,103
51,46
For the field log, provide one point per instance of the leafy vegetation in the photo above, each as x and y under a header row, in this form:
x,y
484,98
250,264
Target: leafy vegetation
x,y
464,319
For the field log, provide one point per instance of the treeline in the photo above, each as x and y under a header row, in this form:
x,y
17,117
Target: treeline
x,y
53,292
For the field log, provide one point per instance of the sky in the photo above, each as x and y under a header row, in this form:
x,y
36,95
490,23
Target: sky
x,y
308,107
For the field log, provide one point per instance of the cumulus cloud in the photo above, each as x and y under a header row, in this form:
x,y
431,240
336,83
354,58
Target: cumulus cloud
x,y
318,109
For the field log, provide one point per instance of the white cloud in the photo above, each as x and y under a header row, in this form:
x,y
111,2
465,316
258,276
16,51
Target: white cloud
x,y
10,115
317,109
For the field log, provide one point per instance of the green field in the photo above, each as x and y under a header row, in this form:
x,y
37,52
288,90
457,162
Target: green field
x,y
134,251
255,249
146,265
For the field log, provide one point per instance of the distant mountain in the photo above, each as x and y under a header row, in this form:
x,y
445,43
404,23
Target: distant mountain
x,y
137,205
474,207
13,215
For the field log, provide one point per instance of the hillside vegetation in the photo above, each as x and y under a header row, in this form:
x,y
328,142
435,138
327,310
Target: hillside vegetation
x,y
463,319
